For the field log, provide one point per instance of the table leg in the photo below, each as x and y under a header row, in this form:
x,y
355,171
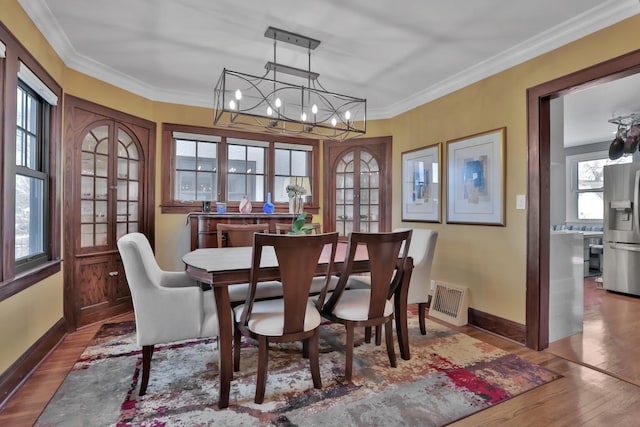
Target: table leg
x,y
225,340
400,303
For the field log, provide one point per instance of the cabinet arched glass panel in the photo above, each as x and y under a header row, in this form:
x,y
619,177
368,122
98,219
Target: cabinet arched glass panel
x,y
357,193
128,193
107,167
94,172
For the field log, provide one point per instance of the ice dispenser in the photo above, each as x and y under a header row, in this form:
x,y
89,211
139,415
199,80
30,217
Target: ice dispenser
x,y
621,215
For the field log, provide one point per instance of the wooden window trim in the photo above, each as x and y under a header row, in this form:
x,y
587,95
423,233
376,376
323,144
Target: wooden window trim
x,y
12,282
169,205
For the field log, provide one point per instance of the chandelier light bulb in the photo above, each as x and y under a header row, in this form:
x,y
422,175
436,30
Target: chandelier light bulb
x,y
347,115
269,111
238,94
278,103
314,109
232,105
334,122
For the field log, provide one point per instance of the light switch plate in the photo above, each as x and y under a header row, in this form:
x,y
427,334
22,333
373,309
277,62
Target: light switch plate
x,y
521,201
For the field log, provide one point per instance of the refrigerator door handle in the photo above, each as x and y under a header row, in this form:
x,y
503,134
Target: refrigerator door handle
x,y
625,247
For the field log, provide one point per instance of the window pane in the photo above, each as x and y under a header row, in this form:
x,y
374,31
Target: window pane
x,y
282,162
185,148
591,174
196,170
255,159
236,188
279,194
185,186
299,163
29,215
591,205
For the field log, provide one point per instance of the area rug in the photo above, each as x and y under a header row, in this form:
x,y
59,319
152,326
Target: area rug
x,y
450,376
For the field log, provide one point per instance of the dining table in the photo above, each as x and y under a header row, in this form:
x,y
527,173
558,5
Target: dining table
x,y
221,267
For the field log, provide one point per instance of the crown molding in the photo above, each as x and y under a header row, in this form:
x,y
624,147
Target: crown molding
x,y
602,16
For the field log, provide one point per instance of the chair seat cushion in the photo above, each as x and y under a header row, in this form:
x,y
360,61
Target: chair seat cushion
x,y
264,290
318,283
360,281
273,289
267,317
354,305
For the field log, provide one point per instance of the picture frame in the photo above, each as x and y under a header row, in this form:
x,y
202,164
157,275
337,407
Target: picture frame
x,y
421,188
476,178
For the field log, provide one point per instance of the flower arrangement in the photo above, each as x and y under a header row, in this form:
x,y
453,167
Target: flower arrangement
x,y
295,190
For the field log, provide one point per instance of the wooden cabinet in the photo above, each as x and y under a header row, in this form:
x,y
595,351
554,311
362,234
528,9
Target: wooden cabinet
x,y
204,225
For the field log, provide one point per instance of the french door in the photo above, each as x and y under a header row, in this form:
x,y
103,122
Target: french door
x,y
108,193
358,185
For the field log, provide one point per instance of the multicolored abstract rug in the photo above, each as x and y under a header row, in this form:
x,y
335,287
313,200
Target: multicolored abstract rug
x,y
450,376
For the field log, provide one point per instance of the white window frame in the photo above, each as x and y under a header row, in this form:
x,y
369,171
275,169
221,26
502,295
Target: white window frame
x,y
572,184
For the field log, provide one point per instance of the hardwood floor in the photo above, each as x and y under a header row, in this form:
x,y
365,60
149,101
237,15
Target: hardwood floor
x,y
610,341
583,397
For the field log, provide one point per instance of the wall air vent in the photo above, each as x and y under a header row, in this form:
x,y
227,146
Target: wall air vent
x,y
450,303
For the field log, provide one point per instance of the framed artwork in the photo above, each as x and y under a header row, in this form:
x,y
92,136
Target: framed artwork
x,y
421,184
476,179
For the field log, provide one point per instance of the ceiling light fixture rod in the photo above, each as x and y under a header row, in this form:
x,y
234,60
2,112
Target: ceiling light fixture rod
x,y
293,38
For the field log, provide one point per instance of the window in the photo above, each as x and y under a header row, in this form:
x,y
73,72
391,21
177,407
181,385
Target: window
x,y
196,168
246,162
585,176
290,161
31,178
222,165
30,196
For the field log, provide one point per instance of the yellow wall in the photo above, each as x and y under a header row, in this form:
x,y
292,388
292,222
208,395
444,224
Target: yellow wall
x,y
490,260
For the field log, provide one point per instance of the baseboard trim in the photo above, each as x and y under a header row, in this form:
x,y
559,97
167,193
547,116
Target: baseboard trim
x,y
21,369
497,325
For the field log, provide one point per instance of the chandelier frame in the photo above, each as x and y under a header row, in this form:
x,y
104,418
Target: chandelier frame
x,y
268,104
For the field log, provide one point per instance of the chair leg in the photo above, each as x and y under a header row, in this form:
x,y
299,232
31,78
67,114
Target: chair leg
x,y
348,367
263,361
388,331
147,354
367,334
237,338
305,349
422,313
314,358
378,335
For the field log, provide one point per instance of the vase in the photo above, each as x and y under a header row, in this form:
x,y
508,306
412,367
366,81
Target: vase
x,y
268,207
245,205
296,205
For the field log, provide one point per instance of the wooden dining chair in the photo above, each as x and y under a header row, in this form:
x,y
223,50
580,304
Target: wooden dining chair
x,y
423,247
232,235
294,317
371,306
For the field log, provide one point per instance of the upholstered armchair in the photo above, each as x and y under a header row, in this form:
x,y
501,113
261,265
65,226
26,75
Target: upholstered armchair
x,y
168,305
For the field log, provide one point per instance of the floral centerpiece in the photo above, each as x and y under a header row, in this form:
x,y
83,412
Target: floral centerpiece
x,y
295,193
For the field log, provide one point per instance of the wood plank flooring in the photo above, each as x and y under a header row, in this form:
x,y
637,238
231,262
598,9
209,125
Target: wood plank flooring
x,y
610,340
583,397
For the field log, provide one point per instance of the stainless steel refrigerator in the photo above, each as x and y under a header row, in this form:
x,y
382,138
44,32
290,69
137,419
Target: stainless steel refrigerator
x,y
621,239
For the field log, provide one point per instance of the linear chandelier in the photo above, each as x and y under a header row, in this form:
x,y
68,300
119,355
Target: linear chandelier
x,y
266,104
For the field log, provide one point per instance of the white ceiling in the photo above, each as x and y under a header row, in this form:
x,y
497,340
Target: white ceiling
x,y
396,54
